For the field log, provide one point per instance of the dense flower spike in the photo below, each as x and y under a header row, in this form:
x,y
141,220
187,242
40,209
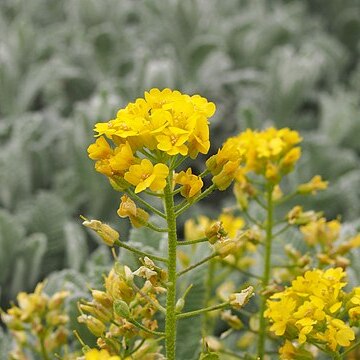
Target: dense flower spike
x,y
271,153
312,310
38,322
162,125
122,311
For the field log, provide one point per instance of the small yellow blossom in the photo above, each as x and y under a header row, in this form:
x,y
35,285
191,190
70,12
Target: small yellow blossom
x,y
191,184
172,141
122,159
100,150
95,354
146,175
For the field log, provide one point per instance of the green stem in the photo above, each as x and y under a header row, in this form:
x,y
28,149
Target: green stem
x,y
182,272
43,348
203,310
145,203
286,227
155,228
252,219
139,252
190,242
208,191
170,321
157,305
206,321
266,271
144,328
136,348
351,348
246,273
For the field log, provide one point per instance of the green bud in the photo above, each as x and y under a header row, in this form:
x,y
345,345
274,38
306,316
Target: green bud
x,y
121,308
179,305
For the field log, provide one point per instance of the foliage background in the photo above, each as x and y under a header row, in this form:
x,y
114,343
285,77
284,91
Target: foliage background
x,y
65,65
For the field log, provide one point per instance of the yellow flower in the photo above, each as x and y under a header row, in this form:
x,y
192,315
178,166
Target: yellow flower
x,y
105,129
146,175
290,159
338,333
100,150
172,141
316,301
157,98
203,106
95,354
227,175
122,159
191,184
281,313
199,138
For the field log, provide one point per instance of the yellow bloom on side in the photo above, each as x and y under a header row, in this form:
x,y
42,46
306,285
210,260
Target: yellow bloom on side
x,y
173,141
122,159
191,184
100,150
146,175
95,354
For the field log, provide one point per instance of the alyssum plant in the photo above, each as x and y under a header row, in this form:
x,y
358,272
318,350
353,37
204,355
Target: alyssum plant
x,y
150,139
141,152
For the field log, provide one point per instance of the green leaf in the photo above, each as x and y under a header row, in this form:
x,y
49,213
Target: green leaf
x,y
11,236
76,247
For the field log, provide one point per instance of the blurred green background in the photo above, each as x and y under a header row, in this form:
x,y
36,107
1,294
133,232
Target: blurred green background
x,y
65,65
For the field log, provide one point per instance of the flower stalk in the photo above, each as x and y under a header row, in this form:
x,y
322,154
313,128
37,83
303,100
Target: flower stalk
x,y
266,270
170,322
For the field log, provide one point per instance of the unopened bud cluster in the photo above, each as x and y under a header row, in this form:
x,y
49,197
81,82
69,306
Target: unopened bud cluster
x,y
114,313
38,321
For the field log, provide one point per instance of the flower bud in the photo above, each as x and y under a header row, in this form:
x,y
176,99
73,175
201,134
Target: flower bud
x,y
226,247
95,326
233,321
215,232
179,305
226,176
128,208
58,299
102,298
121,308
239,300
313,186
106,232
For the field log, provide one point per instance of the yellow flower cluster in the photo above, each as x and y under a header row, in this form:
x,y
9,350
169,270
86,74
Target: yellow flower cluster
x,y
271,153
310,310
123,310
37,321
95,354
159,127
